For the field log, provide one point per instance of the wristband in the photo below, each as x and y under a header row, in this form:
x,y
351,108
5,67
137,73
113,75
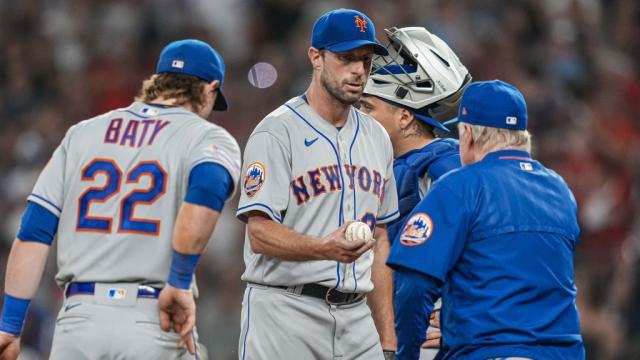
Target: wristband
x,y
182,269
14,310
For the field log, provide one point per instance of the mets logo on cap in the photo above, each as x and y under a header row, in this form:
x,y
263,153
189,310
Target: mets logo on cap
x,y
361,22
417,231
256,175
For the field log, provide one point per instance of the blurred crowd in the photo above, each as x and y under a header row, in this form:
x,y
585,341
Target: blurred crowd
x,y
576,61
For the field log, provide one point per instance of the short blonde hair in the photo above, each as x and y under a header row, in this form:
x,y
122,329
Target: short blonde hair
x,y
184,89
489,138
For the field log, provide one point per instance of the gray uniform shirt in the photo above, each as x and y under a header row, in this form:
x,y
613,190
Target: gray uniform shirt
x,y
305,173
117,181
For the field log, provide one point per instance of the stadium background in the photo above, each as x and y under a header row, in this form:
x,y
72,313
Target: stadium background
x,y
577,62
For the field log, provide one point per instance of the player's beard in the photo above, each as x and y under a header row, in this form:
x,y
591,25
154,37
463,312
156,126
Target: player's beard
x,y
332,86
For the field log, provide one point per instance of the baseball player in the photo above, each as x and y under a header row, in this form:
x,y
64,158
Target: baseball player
x,y
133,196
410,93
496,238
312,166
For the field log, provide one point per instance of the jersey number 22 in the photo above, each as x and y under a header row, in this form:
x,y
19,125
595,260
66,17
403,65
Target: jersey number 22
x,y
128,223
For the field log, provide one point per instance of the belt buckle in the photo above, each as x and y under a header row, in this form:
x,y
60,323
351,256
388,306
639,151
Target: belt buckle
x,y
327,297
347,297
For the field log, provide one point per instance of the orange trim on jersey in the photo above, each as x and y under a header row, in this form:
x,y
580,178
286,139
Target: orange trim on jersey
x,y
364,170
300,189
83,178
321,189
351,173
133,206
332,175
369,218
377,183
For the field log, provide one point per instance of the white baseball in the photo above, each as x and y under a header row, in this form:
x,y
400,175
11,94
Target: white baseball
x,y
358,231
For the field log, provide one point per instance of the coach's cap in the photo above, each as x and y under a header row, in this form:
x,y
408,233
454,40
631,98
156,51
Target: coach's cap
x,y
344,30
195,58
493,103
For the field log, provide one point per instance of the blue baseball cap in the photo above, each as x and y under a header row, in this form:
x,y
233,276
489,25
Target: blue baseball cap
x,y
344,30
422,117
195,58
431,121
493,103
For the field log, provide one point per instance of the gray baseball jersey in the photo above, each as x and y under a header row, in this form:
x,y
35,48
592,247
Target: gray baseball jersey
x,y
307,174
117,182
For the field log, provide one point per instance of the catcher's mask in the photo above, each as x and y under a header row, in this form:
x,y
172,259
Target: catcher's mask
x,y
421,73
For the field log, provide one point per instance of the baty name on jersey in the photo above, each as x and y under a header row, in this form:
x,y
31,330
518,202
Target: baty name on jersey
x,y
328,178
134,133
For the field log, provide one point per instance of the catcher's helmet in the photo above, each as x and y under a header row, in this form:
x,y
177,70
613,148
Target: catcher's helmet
x,y
421,74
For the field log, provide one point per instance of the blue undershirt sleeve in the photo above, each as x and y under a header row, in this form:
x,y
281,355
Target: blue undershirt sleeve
x,y
209,185
415,294
38,224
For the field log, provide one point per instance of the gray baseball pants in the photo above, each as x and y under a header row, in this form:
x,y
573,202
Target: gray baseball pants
x,y
96,327
279,324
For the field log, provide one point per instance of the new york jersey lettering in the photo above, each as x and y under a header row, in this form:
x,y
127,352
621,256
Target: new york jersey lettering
x,y
327,179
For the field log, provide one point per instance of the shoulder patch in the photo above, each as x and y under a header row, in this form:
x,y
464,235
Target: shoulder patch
x,y
255,178
417,231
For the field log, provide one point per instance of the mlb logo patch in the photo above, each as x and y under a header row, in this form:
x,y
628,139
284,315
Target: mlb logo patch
x,y
256,176
417,231
116,294
150,111
177,64
512,120
526,166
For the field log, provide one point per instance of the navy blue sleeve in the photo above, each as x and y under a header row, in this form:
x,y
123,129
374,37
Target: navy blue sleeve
x,y
209,186
415,294
434,234
38,224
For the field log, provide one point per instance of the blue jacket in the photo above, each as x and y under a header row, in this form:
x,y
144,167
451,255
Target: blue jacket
x,y
497,238
434,160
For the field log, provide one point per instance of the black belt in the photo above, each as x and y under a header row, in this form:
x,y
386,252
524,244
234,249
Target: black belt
x,y
88,288
330,295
